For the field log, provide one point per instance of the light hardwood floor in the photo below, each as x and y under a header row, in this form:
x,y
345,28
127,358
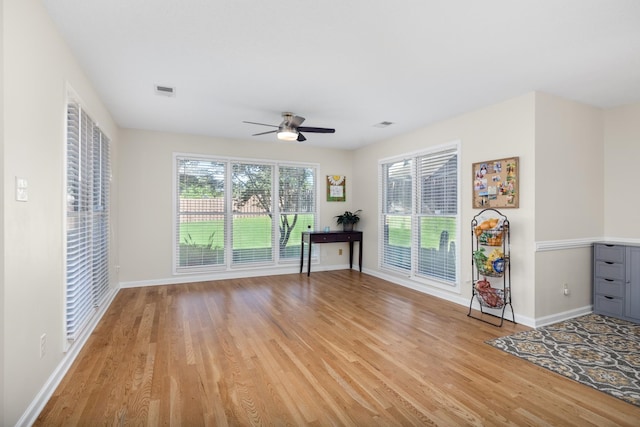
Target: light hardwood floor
x,y
335,348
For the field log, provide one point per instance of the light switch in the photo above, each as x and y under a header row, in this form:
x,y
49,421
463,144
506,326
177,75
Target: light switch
x,y
21,189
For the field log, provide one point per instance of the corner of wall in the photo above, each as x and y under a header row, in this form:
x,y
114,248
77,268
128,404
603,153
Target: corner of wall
x,y
2,181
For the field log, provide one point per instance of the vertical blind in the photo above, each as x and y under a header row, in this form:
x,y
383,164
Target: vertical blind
x,y
87,217
419,214
236,213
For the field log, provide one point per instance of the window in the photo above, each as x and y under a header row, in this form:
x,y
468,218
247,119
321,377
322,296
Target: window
x,y
201,212
419,214
237,213
297,205
87,218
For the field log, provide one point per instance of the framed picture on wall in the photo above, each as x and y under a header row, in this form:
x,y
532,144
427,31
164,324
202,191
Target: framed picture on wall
x,y
336,188
495,184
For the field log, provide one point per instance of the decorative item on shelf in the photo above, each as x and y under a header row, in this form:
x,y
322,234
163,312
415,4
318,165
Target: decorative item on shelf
x,y
489,232
489,265
488,296
348,219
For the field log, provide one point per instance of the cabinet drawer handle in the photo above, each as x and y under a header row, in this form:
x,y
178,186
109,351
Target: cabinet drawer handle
x,y
609,280
608,297
609,246
608,262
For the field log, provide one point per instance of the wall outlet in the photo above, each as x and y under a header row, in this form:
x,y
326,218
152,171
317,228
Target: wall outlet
x,y
339,251
43,345
565,289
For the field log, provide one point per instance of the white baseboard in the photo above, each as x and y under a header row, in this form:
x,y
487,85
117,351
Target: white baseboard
x,y
229,274
566,315
37,405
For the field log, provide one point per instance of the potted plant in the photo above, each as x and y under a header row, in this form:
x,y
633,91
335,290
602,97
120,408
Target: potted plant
x,y
348,219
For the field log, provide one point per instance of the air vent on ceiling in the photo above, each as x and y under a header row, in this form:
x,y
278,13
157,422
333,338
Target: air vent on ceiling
x,y
165,90
382,124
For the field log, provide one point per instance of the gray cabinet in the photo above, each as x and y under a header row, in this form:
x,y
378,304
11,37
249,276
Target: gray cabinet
x,y
632,297
616,281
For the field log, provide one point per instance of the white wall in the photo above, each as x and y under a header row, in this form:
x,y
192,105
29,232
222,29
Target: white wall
x,y
502,130
621,166
37,66
146,214
2,223
569,202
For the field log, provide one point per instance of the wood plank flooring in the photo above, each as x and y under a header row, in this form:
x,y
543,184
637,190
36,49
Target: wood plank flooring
x,y
335,348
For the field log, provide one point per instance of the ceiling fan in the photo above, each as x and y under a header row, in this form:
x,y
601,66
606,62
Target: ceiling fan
x,y
290,129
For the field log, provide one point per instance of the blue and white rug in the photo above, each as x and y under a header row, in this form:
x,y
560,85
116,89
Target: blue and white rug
x,y
598,351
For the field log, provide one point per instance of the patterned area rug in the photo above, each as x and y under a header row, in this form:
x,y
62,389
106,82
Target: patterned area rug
x,y
601,352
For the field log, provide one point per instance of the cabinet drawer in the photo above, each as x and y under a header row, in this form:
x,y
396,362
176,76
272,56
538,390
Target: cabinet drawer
x,y
610,270
608,287
325,238
611,253
608,306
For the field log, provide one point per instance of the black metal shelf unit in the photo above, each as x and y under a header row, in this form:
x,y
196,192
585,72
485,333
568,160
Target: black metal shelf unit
x,y
491,266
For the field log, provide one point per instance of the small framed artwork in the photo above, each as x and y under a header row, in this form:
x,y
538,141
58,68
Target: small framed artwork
x,y
495,183
336,188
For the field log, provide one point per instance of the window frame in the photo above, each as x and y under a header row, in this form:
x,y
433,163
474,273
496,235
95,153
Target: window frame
x,y
228,265
414,216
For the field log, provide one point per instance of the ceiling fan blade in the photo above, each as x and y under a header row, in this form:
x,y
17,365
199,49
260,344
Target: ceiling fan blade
x,y
261,124
264,133
316,130
297,121
301,137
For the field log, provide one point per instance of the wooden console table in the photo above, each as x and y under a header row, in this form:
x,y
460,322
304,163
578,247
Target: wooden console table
x,y
311,237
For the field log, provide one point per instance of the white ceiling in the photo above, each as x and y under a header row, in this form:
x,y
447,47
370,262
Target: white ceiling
x,y
347,64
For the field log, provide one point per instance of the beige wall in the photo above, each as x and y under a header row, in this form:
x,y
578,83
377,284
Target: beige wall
x,y
37,65
621,171
569,202
569,170
2,223
502,130
146,217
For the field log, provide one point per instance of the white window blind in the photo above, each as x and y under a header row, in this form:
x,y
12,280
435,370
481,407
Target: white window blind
x,y
87,217
397,210
297,202
241,213
419,216
252,229
437,218
201,213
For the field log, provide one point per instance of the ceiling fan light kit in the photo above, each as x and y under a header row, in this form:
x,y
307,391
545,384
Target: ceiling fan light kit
x,y
290,129
286,133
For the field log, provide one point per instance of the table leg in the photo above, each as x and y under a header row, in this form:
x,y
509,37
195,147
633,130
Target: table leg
x,y
360,256
351,254
301,254
309,260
